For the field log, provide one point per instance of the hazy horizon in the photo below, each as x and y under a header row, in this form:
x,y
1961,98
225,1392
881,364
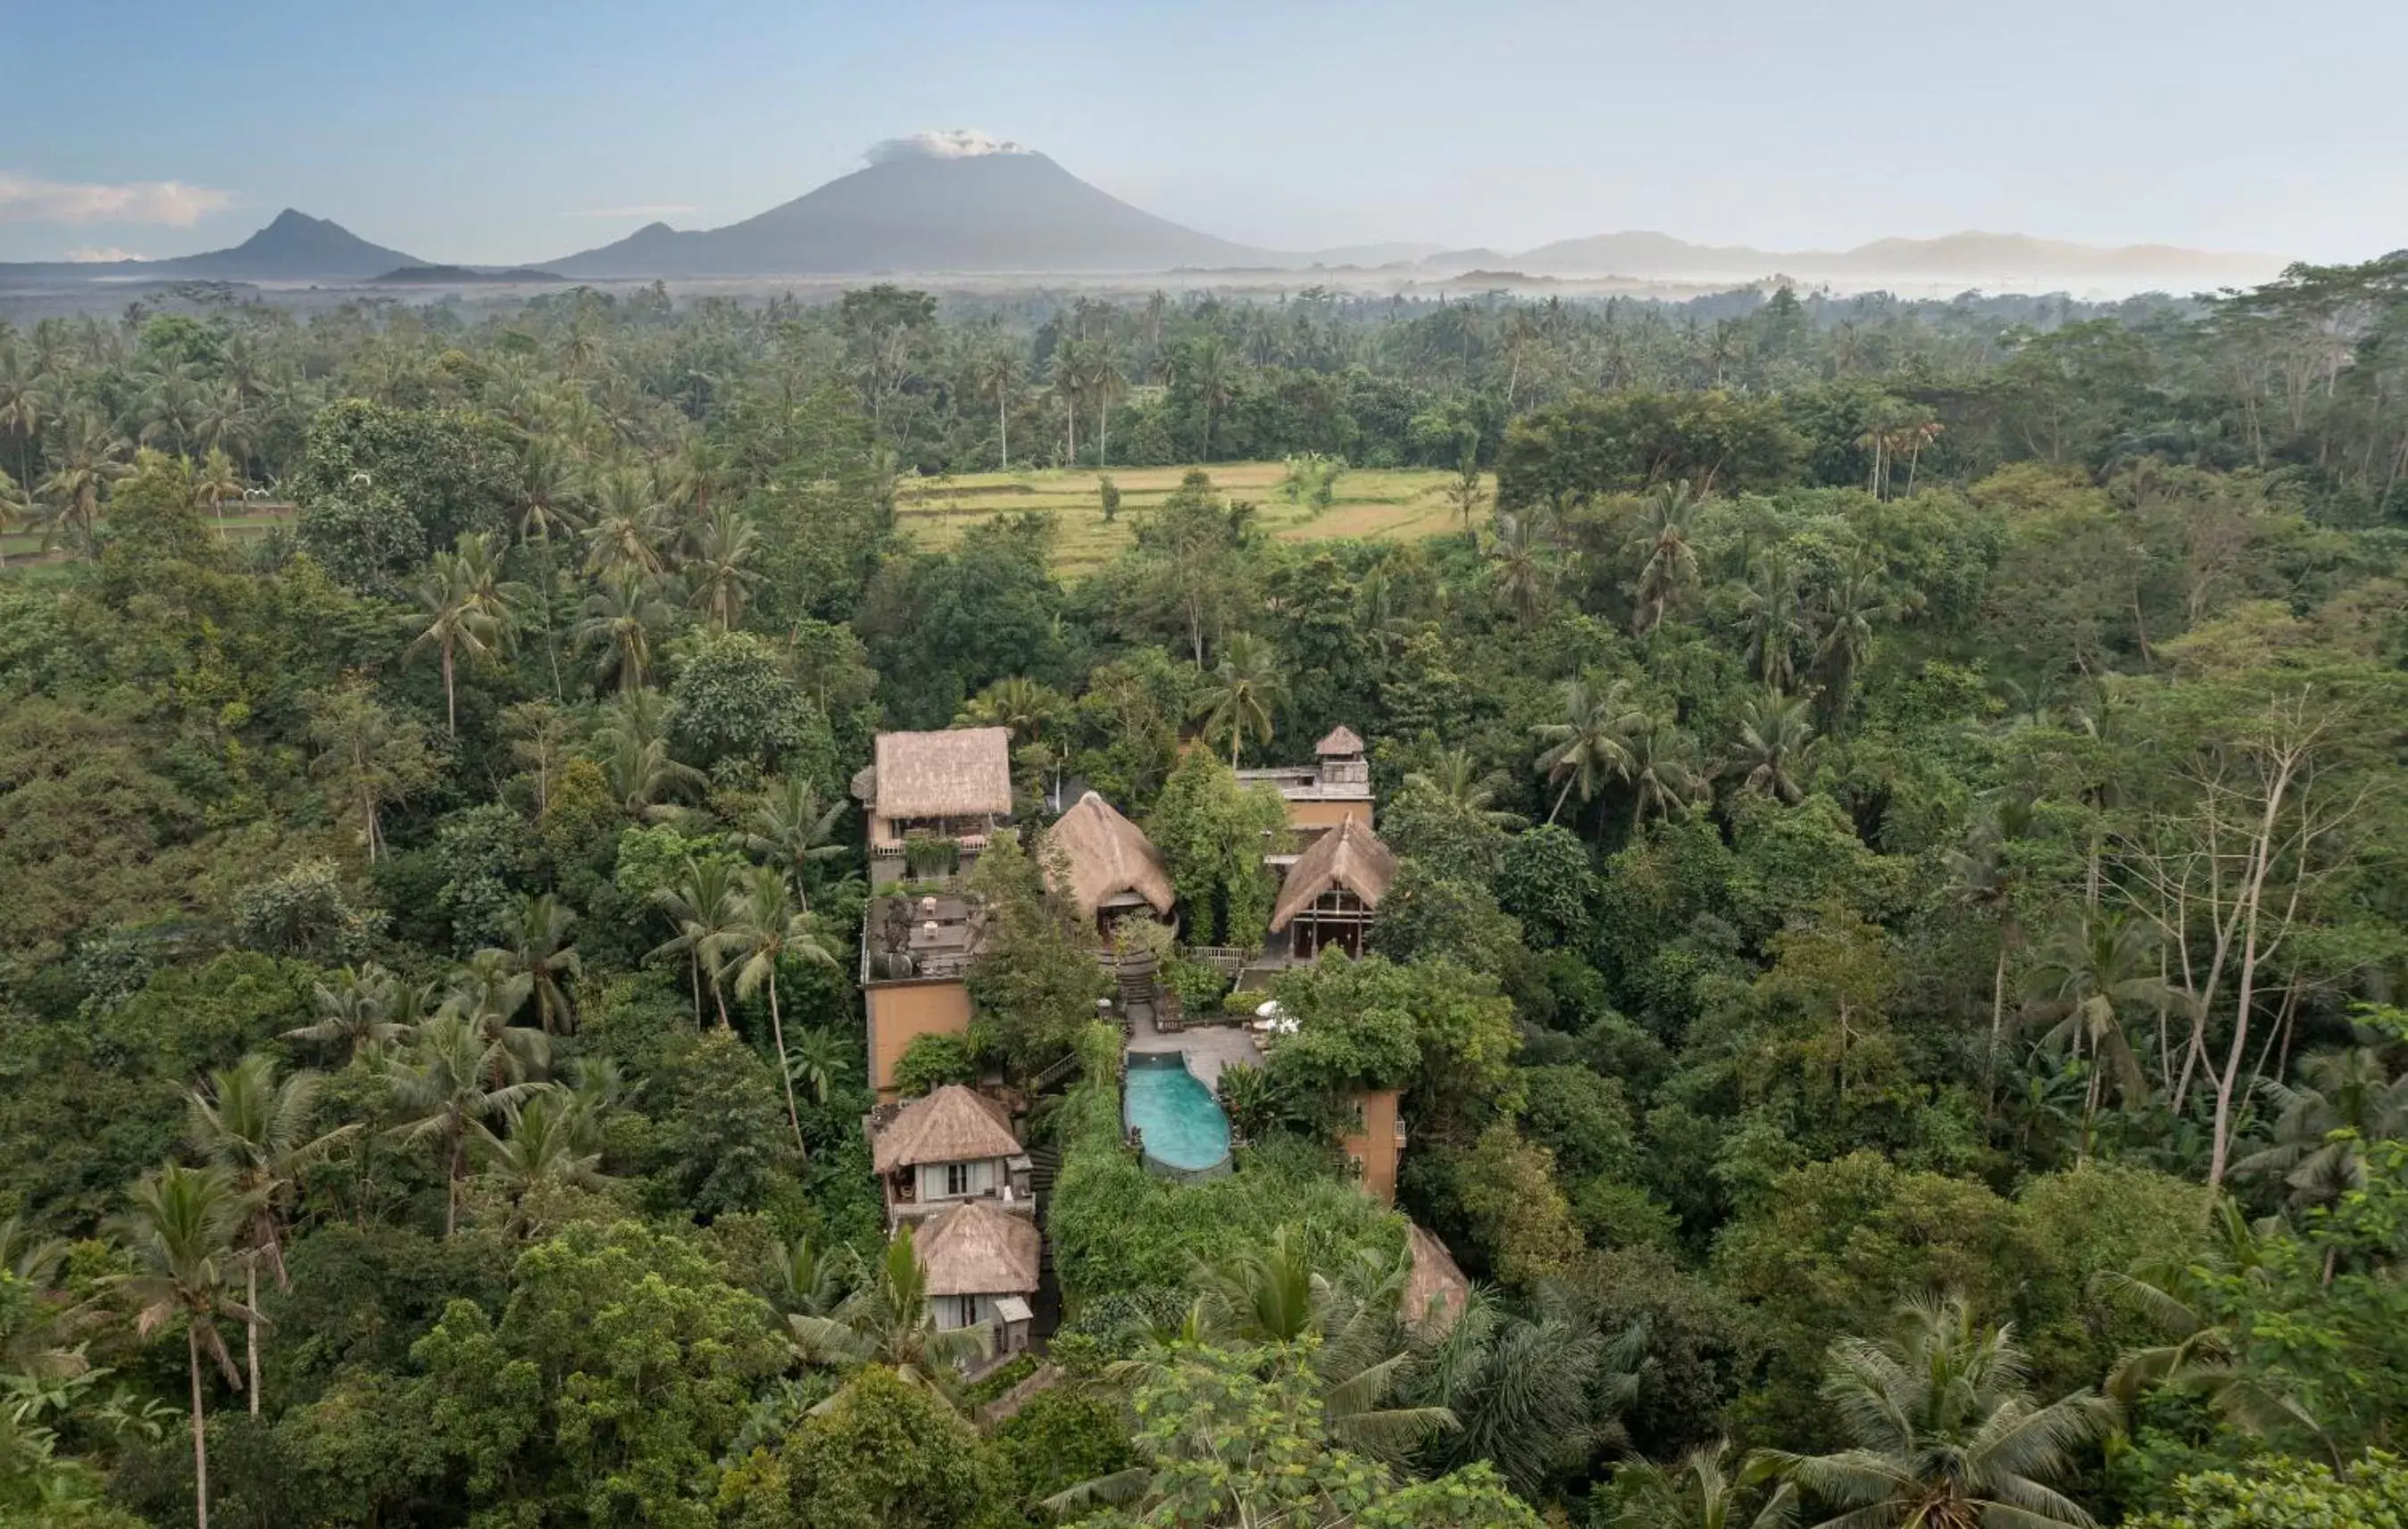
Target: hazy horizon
x,y
459,136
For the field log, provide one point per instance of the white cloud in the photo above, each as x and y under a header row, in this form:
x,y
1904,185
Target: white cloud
x,y
85,254
641,209
29,199
951,143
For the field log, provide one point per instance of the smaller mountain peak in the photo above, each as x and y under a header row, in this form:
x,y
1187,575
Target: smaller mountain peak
x,y
293,218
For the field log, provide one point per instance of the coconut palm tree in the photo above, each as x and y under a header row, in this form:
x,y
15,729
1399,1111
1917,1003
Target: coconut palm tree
x,y
998,374
1019,705
1454,778
770,925
639,774
1591,747
180,1236
461,609
94,458
888,1321
359,1006
1538,1396
1521,562
793,830
1203,364
819,1061
257,1128
630,524
719,574
1947,1433
16,511
1106,385
1774,621
1776,745
536,946
447,1084
2346,1100
619,622
1850,607
1985,879
1664,774
1246,690
2089,975
545,1147
547,492
1671,565
701,906
218,481
1705,1490
813,1277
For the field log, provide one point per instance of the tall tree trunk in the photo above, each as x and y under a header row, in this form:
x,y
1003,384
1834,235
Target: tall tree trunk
x,y
250,1329
452,1187
785,1075
1002,430
451,706
200,1427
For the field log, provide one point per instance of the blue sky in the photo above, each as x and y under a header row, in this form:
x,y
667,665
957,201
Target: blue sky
x,y
500,131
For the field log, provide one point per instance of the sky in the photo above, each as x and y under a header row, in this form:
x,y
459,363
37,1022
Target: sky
x,y
499,132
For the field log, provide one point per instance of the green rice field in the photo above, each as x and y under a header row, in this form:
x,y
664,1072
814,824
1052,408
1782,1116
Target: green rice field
x,y
1374,503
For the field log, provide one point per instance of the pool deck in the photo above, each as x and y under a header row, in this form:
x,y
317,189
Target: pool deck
x,y
1208,1048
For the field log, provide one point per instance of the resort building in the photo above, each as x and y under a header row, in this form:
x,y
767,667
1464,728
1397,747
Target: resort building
x,y
1330,895
1336,788
952,1146
1374,1142
1113,870
981,1264
915,963
933,800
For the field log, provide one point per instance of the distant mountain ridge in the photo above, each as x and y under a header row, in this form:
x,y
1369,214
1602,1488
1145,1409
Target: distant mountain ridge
x,y
1643,254
293,247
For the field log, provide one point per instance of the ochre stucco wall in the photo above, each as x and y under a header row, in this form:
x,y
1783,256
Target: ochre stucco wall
x,y
901,1013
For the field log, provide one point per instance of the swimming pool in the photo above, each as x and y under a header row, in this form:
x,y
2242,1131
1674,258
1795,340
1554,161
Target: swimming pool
x,y
1182,1125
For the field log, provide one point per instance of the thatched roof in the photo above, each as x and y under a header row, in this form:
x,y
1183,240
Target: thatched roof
x,y
977,1250
1107,854
1341,740
955,774
1434,1279
1347,856
955,1124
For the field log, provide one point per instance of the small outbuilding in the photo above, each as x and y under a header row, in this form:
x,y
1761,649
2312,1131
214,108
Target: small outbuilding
x,y
1111,867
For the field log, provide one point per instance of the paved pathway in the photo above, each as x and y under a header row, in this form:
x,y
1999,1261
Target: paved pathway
x,y
1208,1048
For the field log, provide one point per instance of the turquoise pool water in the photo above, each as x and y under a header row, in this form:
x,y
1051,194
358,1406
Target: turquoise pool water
x,y
1182,1121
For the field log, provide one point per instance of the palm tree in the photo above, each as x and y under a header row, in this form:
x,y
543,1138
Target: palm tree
x,y
461,609
446,1086
793,830
819,1061
639,774
718,576
257,1129
535,928
1246,689
619,621
1947,1433
1592,746
1523,564
1775,622
888,1321
999,375
1776,743
1204,363
2178,1299
629,524
358,1006
1850,607
1986,880
2088,974
2346,1100
180,1236
1538,1396
769,926
812,1276
702,908
489,989
1071,385
546,1147
1672,560
1018,704
541,735
16,511
1664,774
547,489
93,459
1107,386
1454,778
1705,1490
217,482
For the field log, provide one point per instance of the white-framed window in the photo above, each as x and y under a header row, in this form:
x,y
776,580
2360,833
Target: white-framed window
x,y
957,1178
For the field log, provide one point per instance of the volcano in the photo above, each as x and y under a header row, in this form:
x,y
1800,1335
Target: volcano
x,y
923,205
